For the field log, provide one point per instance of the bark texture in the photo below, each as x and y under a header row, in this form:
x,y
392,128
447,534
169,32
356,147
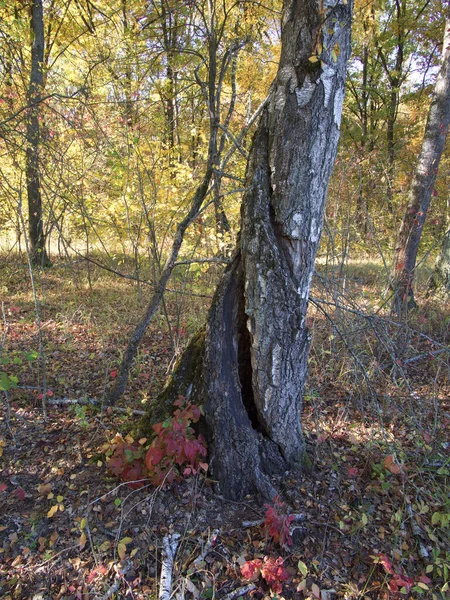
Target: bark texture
x,y
257,341
35,218
422,186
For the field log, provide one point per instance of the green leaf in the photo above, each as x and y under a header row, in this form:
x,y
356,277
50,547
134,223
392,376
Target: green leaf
x,y
302,568
5,383
435,518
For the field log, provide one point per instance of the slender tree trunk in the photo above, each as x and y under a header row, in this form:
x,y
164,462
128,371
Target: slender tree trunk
x,y
170,34
440,278
35,218
422,186
212,95
257,341
396,78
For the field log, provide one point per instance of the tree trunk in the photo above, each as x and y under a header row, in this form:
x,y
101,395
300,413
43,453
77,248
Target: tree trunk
x,y
35,219
440,278
422,187
257,341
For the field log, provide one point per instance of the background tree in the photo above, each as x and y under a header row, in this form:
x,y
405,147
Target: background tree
x,y
422,186
440,278
33,136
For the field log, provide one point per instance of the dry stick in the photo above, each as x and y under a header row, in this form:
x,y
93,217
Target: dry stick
x,y
117,582
5,392
207,548
138,334
423,552
160,287
91,402
240,592
170,546
36,308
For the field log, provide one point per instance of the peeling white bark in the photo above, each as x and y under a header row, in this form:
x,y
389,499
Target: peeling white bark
x,y
257,342
170,546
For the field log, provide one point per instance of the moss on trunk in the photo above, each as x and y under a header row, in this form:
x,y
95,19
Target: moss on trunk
x,y
186,380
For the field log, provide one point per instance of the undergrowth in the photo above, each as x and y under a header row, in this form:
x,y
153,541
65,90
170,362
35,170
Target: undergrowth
x,y
376,421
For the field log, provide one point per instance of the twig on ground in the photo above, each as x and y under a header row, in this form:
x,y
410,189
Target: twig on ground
x,y
93,402
240,592
207,547
423,552
37,568
120,574
255,523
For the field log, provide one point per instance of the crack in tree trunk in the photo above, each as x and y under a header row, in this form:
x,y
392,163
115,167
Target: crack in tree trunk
x,y
257,341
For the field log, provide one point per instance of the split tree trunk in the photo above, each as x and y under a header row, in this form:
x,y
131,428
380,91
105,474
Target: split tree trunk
x,y
422,187
257,341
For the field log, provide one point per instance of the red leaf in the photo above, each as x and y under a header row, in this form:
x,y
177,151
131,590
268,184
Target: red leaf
x,y
3,487
401,581
113,373
20,493
180,401
353,471
274,573
251,569
157,428
386,562
153,457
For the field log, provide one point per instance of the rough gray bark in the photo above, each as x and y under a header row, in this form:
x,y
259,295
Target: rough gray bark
x,y
257,341
422,186
35,219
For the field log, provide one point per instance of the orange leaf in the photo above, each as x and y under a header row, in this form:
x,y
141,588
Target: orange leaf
x,y
390,464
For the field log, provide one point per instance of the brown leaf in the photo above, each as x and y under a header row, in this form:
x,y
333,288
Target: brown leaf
x,y
390,464
45,488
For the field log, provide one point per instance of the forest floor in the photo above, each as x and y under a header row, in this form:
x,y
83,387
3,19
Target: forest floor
x,y
371,508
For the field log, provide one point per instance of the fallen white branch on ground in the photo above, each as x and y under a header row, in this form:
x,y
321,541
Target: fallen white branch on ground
x,y
170,545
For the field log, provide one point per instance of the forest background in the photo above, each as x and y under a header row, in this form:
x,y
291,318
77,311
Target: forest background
x,y
105,112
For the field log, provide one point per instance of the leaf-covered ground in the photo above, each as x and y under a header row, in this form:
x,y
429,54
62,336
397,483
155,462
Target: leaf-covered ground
x,y
371,508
